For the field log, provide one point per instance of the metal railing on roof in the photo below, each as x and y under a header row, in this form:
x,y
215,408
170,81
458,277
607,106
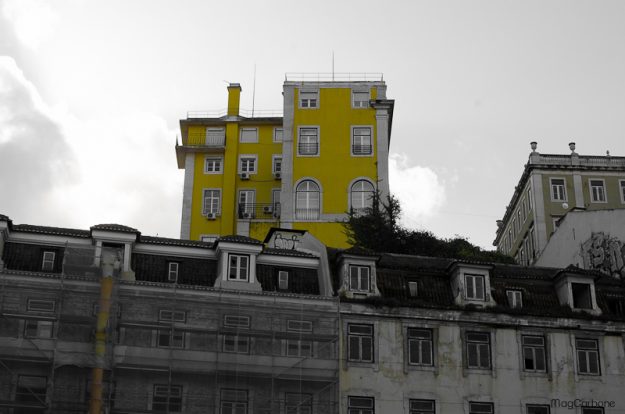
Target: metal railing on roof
x,y
584,160
333,77
247,113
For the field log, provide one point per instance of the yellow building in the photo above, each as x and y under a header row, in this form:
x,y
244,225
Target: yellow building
x,y
306,169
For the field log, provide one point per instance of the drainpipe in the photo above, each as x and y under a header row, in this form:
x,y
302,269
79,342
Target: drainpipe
x,y
109,264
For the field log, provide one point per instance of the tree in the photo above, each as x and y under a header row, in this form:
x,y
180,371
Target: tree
x,y
377,228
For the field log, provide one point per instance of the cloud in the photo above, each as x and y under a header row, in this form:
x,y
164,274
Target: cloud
x,y
34,154
420,191
32,20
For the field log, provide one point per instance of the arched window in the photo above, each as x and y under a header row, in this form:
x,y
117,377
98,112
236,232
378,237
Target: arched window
x,y
307,201
361,196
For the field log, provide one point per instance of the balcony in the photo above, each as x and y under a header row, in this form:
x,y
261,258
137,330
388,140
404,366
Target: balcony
x,y
307,214
580,160
334,77
308,149
259,211
361,149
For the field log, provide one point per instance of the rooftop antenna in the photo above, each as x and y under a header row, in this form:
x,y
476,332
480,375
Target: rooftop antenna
x,y
254,91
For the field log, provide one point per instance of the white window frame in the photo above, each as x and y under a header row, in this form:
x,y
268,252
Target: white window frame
x,y
247,158
360,194
552,186
215,139
621,186
237,321
41,305
471,279
420,337
603,191
309,212
275,161
478,346
172,271
283,279
416,406
354,408
248,131
533,350
360,103
360,277
278,134
299,140
170,394
308,99
515,298
240,343
234,405
356,355
217,210
247,208
587,353
242,272
216,162
47,261
353,145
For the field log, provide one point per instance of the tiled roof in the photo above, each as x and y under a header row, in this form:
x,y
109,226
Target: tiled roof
x,y
115,227
4,218
287,252
238,239
57,231
175,242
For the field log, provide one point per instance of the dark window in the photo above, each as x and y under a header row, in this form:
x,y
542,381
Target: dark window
x,y
360,405
420,346
515,298
593,410
537,409
167,399
587,356
38,329
581,296
534,355
31,391
481,408
233,401
171,337
478,350
422,407
360,342
298,403
235,343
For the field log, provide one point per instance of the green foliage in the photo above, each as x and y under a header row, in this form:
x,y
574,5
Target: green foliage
x,y
377,229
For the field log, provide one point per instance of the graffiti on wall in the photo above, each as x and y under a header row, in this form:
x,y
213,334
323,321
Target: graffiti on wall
x,y
604,253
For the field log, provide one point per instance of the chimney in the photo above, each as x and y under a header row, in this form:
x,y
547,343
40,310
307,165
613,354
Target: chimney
x,y
234,98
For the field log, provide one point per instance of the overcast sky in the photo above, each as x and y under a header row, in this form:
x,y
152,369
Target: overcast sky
x,y
91,93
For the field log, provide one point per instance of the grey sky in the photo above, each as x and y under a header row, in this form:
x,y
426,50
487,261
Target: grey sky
x,y
474,83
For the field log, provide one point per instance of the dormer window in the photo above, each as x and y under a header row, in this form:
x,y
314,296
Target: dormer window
x,y
359,278
581,296
474,287
172,273
413,288
238,267
515,298
47,264
283,280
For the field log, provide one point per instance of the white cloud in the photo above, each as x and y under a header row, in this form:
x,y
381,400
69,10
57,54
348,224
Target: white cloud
x,y
59,170
33,20
419,190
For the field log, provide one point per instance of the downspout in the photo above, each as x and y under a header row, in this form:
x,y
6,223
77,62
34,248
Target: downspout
x,y
109,264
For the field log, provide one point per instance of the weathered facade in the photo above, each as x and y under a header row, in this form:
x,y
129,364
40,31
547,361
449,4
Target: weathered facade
x,y
109,320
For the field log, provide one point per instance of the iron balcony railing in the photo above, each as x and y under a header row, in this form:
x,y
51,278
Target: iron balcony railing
x,y
334,77
247,113
361,149
308,149
307,213
583,160
264,211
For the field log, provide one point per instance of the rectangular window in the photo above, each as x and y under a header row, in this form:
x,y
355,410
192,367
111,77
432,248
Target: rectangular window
x,y
481,408
420,347
237,344
47,263
361,141
236,321
474,287
478,350
299,326
308,141
172,273
587,356
212,202
299,347
593,410
308,99
213,166
581,295
360,99
277,164
622,187
537,409
238,267
233,401
298,403
359,278
360,405
283,280
278,134
534,353
360,342
171,337
40,305
249,135
558,189
215,137
38,329
209,238
597,191
168,315
422,407
167,398
246,204
247,164
515,298
413,287
32,390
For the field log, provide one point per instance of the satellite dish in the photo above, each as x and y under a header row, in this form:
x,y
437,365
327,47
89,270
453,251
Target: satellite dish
x,y
565,205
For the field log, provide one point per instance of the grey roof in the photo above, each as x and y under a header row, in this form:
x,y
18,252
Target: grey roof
x,y
115,227
57,231
175,242
239,239
287,252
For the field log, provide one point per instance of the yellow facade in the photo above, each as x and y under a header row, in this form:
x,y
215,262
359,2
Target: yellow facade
x,y
271,199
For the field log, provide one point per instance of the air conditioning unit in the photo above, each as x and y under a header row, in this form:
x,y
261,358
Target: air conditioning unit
x,y
268,209
211,216
277,175
246,215
245,176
